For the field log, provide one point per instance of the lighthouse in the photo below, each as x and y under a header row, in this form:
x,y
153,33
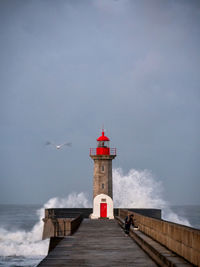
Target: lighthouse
x,y
102,178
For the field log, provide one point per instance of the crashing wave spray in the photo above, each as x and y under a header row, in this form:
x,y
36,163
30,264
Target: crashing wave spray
x,y
139,189
23,243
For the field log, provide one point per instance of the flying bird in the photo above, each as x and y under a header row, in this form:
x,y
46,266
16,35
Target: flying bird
x,y
58,146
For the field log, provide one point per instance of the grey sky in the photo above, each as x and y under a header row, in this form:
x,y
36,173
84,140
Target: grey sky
x,y
67,67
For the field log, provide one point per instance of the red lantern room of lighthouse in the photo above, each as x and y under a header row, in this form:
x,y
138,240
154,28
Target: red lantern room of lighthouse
x,y
102,179
103,146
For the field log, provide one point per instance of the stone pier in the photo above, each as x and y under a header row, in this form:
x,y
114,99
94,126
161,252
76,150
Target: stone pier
x,y
98,243
102,242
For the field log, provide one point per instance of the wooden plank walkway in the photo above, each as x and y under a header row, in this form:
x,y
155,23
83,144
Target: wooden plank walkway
x,y
97,243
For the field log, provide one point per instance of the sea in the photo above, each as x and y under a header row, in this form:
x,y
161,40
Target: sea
x,y
21,232
21,226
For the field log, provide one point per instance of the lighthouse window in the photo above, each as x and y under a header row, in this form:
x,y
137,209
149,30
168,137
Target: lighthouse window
x,y
102,168
103,144
102,186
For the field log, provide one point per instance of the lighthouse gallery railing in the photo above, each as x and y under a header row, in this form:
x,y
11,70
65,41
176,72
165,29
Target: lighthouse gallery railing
x,y
113,151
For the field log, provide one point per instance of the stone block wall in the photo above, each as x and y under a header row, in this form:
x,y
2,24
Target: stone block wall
x,y
86,212
153,213
67,212
102,178
183,240
60,227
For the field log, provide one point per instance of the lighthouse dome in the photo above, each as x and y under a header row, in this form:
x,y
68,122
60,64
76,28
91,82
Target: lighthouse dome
x,y
103,137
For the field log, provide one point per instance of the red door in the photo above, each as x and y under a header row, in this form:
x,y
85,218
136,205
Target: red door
x,y
103,210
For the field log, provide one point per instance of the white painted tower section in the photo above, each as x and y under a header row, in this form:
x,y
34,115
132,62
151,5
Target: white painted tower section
x,y
102,198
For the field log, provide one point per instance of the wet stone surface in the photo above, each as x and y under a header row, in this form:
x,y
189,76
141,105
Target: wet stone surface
x,y
98,243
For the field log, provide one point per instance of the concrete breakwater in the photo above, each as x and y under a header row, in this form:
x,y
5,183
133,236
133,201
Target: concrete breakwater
x,y
171,243
183,240
99,243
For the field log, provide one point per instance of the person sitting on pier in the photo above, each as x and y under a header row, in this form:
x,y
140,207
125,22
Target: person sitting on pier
x,y
128,222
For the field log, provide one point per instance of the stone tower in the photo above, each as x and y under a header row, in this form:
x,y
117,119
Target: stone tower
x,y
102,179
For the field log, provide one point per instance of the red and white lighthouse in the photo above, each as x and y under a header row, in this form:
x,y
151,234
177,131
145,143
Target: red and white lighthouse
x,y
102,179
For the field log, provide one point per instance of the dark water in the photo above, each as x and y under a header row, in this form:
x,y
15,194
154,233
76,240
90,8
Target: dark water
x,y
18,216
16,224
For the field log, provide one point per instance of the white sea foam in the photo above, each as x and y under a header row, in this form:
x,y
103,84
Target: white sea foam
x,y
22,243
140,189
136,189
